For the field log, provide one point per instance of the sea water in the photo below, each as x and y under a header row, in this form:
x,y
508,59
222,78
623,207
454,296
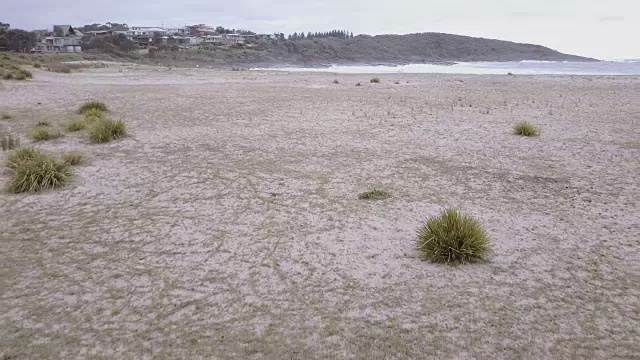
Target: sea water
x,y
626,67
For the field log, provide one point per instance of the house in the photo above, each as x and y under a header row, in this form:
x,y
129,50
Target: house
x,y
201,30
265,37
143,35
65,39
233,38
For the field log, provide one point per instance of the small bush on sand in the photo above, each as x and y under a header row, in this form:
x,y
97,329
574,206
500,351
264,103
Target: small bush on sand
x,y
75,125
375,194
25,73
524,128
453,238
93,115
336,81
358,84
7,75
73,159
92,105
42,134
375,80
105,130
34,171
5,116
37,65
44,123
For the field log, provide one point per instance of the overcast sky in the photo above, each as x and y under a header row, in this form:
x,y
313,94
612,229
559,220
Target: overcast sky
x,y
605,29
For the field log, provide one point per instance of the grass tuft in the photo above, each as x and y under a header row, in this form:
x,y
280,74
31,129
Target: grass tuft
x,y
43,123
43,134
34,171
5,116
37,65
92,115
524,128
336,81
76,125
375,80
92,105
73,159
453,238
105,130
375,194
358,84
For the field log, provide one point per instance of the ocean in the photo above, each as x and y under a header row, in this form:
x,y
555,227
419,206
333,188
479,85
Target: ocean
x,y
626,67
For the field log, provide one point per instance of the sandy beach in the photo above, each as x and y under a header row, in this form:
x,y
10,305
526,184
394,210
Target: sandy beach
x,y
228,224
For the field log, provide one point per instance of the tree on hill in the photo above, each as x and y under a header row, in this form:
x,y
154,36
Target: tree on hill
x,y
17,40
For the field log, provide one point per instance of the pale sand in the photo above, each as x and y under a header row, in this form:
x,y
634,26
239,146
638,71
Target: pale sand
x,y
228,225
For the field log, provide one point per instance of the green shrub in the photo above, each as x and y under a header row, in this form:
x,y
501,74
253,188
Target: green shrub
x,y
24,73
7,76
524,128
375,80
375,194
336,81
76,125
105,130
358,84
34,171
37,65
73,159
92,105
453,238
42,134
5,116
93,114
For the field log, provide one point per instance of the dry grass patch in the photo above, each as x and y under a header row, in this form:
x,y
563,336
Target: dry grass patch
x,y
375,80
73,159
525,128
75,125
5,116
374,194
34,171
42,134
92,106
453,238
105,130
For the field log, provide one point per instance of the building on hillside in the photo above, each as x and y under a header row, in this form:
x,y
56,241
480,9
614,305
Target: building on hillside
x,y
65,39
234,38
201,30
265,37
143,35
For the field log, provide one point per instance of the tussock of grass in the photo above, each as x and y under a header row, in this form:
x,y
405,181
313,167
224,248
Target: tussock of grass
x,y
375,194
34,171
524,128
453,238
92,105
73,159
105,130
375,80
75,125
43,123
5,116
37,65
92,115
336,81
43,134
358,84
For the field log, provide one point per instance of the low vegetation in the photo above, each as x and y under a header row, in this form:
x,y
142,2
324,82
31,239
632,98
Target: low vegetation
x,y
336,81
41,133
92,105
453,238
92,115
68,68
9,143
34,171
73,159
75,125
358,84
374,194
524,128
105,130
375,80
44,123
14,72
5,116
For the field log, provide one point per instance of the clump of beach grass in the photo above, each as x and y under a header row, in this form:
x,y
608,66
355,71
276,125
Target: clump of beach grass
x,y
73,159
525,128
41,133
374,194
336,81
92,115
358,84
34,171
105,130
453,238
92,105
375,80
5,116
75,125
